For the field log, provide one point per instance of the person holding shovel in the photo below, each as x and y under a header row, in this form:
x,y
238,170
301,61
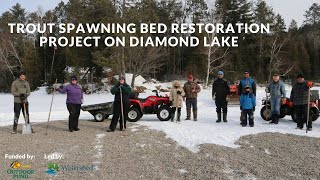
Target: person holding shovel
x,y
20,89
121,105
299,97
74,101
176,99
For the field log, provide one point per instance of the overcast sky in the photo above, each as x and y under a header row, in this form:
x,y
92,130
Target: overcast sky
x,y
289,9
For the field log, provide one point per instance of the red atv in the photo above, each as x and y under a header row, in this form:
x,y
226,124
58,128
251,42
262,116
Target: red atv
x,y
288,108
151,105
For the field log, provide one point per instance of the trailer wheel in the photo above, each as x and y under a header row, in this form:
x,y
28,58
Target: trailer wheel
x,y
163,113
134,114
99,117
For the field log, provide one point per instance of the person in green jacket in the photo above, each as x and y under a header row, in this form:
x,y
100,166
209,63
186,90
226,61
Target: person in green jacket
x,y
20,89
125,89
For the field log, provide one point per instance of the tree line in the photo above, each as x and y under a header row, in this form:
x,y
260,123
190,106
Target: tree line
x,y
287,51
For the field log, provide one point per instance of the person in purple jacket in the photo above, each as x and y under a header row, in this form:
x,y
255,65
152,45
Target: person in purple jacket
x,y
74,101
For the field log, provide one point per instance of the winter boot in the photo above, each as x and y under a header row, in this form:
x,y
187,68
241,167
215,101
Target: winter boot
x,y
219,118
14,131
272,119
225,117
178,118
188,114
172,116
195,115
276,119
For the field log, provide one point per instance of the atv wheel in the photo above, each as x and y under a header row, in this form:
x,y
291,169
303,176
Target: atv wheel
x,y
265,113
163,113
134,114
313,114
99,116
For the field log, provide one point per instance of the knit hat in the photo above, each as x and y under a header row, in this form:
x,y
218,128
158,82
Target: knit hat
x,y
300,76
220,73
74,78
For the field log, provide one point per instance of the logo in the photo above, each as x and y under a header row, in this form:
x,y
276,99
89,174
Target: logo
x,y
20,171
53,168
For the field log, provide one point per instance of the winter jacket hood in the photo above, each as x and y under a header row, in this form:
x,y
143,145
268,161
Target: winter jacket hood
x,y
175,97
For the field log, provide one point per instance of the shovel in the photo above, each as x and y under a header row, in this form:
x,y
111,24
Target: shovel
x,y
26,128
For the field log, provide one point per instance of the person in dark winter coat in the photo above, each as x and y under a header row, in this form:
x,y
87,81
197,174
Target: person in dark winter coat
x,y
176,99
247,106
122,88
299,97
277,92
74,101
220,92
191,90
20,89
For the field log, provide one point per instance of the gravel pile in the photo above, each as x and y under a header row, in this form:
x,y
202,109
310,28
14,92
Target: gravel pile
x,y
148,154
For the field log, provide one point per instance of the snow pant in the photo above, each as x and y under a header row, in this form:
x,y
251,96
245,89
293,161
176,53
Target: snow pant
x,y
221,104
74,113
17,109
246,113
275,106
191,102
301,111
173,111
117,115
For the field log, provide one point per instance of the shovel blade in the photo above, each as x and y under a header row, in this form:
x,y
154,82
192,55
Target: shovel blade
x,y
26,129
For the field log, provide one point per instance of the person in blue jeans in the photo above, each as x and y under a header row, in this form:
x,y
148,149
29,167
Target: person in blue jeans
x,y
247,106
277,92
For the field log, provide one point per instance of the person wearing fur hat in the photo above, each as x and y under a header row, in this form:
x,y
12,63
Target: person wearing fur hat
x,y
74,101
176,99
191,90
247,106
124,90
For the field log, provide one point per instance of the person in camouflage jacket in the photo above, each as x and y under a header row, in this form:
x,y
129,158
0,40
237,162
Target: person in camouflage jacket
x,y
191,90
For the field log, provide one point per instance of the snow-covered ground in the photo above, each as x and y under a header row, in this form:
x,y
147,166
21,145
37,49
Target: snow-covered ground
x,y
189,134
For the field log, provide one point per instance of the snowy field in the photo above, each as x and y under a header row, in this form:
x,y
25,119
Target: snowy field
x,y
189,134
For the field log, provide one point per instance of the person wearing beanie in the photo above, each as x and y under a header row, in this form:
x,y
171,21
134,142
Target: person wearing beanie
x,y
247,106
74,101
220,92
20,89
277,92
191,90
121,88
299,97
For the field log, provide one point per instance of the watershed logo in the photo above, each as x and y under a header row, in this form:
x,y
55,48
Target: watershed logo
x,y
20,171
55,168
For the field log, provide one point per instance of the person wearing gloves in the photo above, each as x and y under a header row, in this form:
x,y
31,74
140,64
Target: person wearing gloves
x,y
247,106
277,92
299,97
74,101
121,88
176,99
191,90
20,89
220,92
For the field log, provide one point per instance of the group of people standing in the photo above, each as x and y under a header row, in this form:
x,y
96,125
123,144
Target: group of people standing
x,y
20,89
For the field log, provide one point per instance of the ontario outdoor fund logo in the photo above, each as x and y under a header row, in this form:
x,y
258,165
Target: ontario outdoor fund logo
x,y
53,168
20,171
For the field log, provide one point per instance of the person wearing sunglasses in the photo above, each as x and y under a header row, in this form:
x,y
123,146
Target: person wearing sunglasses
x,y
74,101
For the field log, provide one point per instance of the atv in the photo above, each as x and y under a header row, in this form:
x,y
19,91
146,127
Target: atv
x,y
288,108
159,105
